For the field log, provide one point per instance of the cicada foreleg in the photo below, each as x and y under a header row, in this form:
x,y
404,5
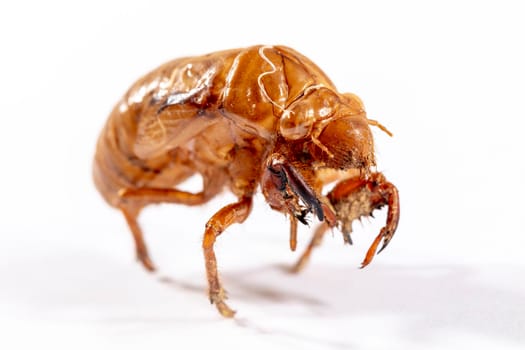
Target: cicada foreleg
x,y
357,197
353,198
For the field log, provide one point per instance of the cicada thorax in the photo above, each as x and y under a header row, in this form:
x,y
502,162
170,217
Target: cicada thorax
x,y
263,90
262,84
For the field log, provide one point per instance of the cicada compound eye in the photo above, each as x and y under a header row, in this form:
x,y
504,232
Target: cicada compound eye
x,y
317,104
294,126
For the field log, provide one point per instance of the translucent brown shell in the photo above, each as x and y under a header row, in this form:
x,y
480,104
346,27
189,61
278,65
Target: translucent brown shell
x,y
259,117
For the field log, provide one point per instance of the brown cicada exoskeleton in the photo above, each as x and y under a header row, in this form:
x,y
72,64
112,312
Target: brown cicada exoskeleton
x,y
260,116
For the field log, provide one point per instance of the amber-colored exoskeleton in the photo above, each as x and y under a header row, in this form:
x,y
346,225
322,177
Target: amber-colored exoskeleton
x,y
263,116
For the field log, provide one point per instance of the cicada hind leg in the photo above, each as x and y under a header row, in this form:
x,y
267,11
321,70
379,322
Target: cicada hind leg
x,y
133,200
131,214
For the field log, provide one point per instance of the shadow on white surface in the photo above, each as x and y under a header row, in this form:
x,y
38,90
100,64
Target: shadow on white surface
x,y
423,300
325,305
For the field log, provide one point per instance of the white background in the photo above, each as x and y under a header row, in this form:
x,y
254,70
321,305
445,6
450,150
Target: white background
x,y
447,78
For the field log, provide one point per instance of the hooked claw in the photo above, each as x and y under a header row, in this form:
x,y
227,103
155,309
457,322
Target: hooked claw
x,y
356,197
383,235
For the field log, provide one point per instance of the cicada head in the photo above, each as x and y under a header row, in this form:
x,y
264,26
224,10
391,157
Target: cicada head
x,y
345,140
336,124
321,129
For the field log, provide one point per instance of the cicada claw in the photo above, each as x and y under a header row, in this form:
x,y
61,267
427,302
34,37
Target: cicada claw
x,y
357,197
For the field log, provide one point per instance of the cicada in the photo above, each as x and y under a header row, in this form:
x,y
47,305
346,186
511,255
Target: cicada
x,y
259,117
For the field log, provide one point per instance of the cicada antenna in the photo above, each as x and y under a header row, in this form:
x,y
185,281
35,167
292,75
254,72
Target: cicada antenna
x,y
380,126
